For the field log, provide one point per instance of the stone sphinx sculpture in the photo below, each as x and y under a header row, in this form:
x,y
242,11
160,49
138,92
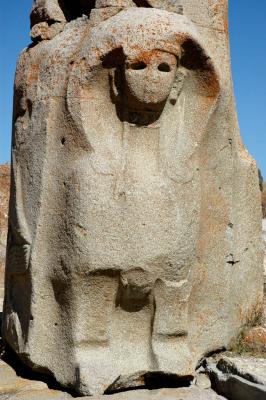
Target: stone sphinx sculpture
x,y
134,237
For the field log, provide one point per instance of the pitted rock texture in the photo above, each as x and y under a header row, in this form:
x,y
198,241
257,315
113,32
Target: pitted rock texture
x,y
247,367
264,243
263,195
4,198
135,221
238,377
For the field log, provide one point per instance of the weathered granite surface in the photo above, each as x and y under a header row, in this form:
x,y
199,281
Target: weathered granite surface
x,y
135,222
238,377
263,196
264,240
250,368
4,198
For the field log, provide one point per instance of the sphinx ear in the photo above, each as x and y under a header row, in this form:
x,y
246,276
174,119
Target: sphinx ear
x,y
195,58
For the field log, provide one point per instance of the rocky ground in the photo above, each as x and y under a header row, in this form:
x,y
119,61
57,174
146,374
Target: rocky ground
x,y
226,376
38,393
13,387
240,375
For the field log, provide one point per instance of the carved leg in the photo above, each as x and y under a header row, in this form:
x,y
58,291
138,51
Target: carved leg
x,y
170,327
94,302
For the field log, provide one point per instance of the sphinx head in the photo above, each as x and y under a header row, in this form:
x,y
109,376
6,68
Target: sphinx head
x,y
149,77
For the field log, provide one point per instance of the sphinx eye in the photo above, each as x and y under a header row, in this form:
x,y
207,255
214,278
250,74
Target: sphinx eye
x,y
164,67
138,65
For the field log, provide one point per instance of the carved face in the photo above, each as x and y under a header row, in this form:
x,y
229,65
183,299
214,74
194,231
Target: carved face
x,y
150,77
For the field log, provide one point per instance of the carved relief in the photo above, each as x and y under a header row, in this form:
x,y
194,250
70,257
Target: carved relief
x,y
118,236
140,156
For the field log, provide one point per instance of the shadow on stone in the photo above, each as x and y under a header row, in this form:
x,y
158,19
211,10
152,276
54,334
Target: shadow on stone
x,y
158,380
149,380
25,372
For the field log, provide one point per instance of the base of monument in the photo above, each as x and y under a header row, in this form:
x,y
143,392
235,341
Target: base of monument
x,y
225,370
149,380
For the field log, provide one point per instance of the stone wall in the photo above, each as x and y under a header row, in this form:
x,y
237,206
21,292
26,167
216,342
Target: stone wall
x,y
4,197
264,200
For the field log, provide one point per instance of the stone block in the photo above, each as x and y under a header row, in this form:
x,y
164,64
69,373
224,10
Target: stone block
x,y
135,221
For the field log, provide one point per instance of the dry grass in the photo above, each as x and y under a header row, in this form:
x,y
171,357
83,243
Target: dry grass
x,y
254,319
